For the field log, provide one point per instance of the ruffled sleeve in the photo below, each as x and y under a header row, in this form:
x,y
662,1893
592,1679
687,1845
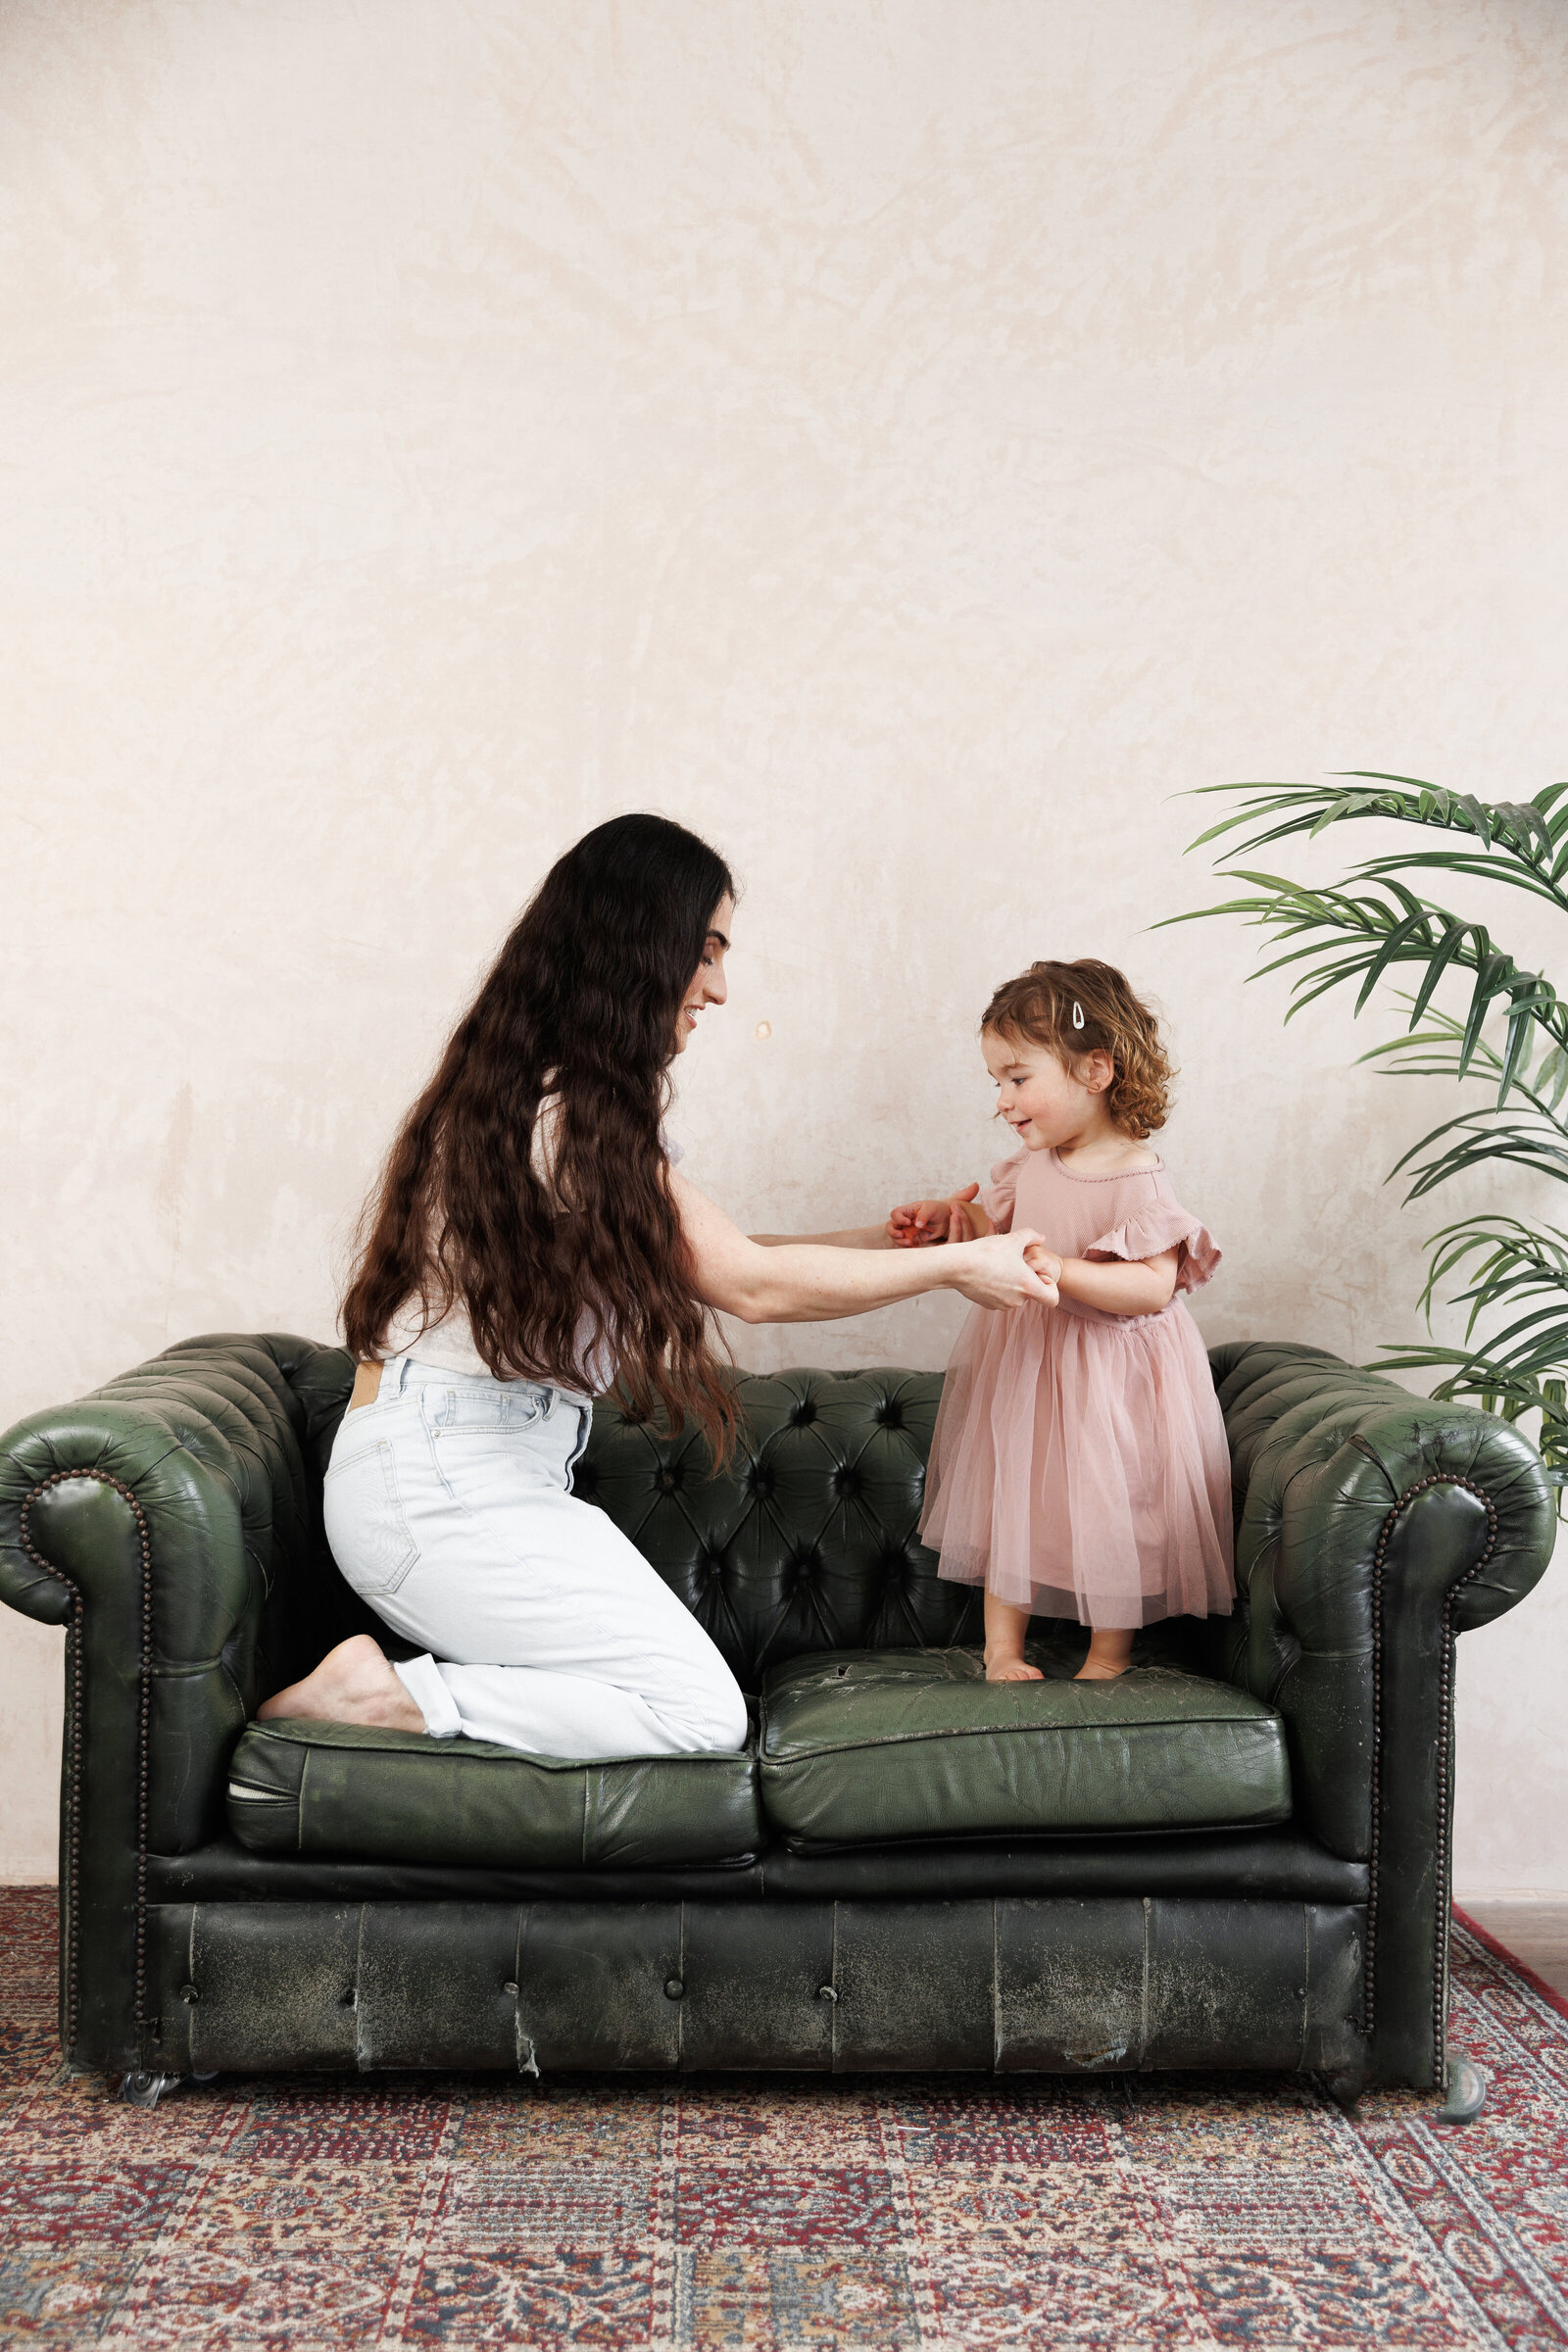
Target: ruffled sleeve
x,y
1163,1225
999,1197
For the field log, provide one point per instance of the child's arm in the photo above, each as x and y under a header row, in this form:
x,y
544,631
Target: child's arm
x,y
1117,1288
925,1224
854,1237
918,1225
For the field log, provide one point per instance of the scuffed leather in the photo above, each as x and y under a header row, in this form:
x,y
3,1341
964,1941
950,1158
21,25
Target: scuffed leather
x,y
1047,1984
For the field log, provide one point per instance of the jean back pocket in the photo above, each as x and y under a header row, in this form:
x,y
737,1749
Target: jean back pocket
x,y
365,1522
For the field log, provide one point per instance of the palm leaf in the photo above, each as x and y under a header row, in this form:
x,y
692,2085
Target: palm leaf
x,y
1524,843
1510,1278
1344,935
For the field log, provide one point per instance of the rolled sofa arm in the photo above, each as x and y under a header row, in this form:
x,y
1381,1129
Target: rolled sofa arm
x,y
152,1520
1373,1528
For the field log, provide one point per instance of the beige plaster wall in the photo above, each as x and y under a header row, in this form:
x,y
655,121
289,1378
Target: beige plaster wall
x,y
913,444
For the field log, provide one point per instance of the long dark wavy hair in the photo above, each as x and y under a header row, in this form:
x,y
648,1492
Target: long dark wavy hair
x,y
580,1005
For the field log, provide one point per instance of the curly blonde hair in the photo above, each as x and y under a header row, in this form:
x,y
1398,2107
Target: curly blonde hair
x,y
1036,1010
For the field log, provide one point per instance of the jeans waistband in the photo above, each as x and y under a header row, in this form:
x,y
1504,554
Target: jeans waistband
x,y
401,1373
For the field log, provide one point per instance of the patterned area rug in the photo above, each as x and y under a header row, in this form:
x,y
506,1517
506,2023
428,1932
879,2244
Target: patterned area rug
x,y
775,2213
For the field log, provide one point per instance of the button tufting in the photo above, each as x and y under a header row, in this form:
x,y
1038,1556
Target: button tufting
x,y
674,1990
669,1481
805,1413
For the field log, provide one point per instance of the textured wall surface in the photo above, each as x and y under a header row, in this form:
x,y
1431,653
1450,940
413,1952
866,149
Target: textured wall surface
x,y
914,445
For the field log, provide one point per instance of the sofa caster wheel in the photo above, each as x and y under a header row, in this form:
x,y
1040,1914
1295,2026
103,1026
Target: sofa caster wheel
x,y
203,2081
144,2089
1468,2092
1344,2084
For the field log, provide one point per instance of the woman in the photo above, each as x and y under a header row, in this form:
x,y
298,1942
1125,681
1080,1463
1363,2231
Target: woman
x,y
529,1243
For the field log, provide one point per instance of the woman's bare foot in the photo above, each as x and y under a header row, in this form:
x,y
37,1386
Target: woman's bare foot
x,y
1109,1656
1011,1670
353,1684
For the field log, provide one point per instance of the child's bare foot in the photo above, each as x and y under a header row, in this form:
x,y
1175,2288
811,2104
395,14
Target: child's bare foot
x,y
1013,1670
353,1684
1109,1656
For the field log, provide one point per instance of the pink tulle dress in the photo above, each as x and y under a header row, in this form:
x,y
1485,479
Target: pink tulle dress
x,y
1079,1466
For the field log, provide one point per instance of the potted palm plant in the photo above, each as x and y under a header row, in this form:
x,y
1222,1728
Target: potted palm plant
x,y
1377,924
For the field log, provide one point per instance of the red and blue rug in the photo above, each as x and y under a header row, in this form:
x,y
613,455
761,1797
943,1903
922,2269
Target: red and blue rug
x,y
771,2213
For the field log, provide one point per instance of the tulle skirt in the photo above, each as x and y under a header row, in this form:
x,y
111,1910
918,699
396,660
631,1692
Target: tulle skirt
x,y
1080,1468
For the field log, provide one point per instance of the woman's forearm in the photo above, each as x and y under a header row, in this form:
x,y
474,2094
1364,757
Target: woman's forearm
x,y
818,1281
814,1282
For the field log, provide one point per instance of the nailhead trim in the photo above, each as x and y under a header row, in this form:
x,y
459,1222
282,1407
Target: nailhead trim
x,y
1440,1972
73,1803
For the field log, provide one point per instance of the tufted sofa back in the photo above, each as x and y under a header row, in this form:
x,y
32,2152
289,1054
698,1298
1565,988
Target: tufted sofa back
x,y
807,1540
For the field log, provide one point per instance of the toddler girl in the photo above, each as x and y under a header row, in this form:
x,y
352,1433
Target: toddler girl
x,y
1079,1466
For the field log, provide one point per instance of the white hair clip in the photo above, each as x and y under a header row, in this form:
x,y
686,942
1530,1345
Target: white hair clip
x,y
1077,1014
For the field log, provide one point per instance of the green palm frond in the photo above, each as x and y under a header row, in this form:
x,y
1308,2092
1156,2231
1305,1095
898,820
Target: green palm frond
x,y
1435,1051
1477,1137
1504,1262
1524,843
1512,1276
1361,935
1511,1395
1526,1129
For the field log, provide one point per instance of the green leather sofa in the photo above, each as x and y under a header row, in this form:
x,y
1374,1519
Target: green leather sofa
x,y
1239,1856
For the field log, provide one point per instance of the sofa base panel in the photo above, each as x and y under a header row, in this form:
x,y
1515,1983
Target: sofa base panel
x,y
1016,1985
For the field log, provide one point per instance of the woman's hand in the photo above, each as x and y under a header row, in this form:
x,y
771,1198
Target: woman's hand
x,y
926,1224
999,1271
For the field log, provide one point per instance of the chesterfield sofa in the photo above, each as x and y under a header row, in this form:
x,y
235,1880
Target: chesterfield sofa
x,y
1238,1856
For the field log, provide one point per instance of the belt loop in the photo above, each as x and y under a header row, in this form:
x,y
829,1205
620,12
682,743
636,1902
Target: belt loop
x,y
402,1373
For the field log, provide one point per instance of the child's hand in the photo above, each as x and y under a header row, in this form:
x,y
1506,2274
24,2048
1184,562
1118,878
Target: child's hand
x,y
926,1224
1047,1264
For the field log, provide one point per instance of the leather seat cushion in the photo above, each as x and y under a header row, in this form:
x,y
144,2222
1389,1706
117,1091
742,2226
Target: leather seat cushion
x,y
868,1746
301,1788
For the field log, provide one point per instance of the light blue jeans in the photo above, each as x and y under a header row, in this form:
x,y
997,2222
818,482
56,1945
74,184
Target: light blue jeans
x,y
449,1509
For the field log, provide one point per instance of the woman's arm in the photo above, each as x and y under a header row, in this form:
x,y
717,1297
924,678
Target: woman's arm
x,y
1118,1288
811,1282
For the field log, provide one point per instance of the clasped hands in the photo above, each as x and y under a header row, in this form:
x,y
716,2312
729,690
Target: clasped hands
x,y
928,1224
